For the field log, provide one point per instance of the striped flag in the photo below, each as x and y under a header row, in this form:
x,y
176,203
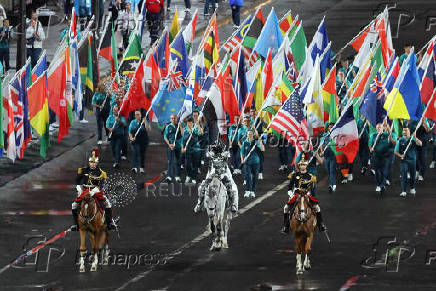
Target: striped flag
x,y
239,35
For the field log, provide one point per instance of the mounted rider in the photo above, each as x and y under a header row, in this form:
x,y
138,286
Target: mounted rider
x,y
301,183
90,180
218,166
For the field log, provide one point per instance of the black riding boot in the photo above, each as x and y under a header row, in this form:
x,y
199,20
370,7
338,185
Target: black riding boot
x,y
286,223
320,223
75,226
108,218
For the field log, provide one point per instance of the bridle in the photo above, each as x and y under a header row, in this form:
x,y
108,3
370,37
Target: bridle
x,y
302,213
86,219
210,195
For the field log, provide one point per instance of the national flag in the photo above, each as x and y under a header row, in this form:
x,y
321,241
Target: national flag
x,y
136,98
254,85
179,56
384,31
267,77
330,98
428,82
131,56
430,111
314,101
404,101
39,71
424,63
325,62
16,115
168,102
285,89
105,47
238,36
174,29
26,81
289,120
241,82
211,52
162,54
212,26
391,75
152,75
57,92
298,44
285,22
252,35
38,110
8,117
89,69
76,80
360,38
360,81
189,33
270,37
345,136
213,108
73,26
207,84
228,95
372,105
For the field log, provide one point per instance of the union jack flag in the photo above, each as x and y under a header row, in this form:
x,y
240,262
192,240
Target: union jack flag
x,y
175,80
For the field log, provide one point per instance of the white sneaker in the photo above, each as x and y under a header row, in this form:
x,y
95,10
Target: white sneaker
x,y
202,162
344,181
420,178
413,191
247,194
141,170
377,189
408,176
432,164
187,180
388,183
260,176
334,188
178,180
252,194
123,158
194,182
403,194
245,183
188,10
99,142
84,121
135,170
350,177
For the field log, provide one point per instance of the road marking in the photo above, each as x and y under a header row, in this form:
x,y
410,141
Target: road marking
x,y
205,234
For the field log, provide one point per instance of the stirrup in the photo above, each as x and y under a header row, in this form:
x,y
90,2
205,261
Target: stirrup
x,y
285,230
74,227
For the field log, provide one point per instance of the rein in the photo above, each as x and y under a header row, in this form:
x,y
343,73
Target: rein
x,y
87,219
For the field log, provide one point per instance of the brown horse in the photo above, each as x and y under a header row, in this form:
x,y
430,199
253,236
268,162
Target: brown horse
x,y
91,222
303,224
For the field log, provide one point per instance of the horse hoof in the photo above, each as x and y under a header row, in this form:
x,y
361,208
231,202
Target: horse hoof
x,y
82,269
105,262
299,272
307,268
93,269
225,246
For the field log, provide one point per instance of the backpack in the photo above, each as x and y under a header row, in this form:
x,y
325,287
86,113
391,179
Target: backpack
x,y
153,6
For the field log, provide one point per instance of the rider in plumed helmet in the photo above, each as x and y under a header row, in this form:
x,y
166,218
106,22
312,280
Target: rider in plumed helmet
x,y
90,179
301,182
218,166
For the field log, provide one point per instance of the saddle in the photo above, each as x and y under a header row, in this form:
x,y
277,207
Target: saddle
x,y
98,198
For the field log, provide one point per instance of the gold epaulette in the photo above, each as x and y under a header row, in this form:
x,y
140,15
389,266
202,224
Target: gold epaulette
x,y
79,171
290,175
103,174
312,178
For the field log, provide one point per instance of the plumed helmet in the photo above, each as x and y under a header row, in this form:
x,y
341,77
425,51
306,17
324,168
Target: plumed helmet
x,y
94,156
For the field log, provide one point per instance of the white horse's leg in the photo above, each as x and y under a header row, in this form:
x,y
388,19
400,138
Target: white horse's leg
x,y
82,263
299,265
94,263
307,263
106,254
226,224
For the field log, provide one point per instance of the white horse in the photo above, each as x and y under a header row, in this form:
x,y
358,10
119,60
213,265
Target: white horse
x,y
215,202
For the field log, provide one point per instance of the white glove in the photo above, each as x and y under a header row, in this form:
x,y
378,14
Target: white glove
x,y
94,190
79,190
290,193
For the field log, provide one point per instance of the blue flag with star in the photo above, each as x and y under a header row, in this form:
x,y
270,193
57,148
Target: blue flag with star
x,y
168,102
178,53
270,37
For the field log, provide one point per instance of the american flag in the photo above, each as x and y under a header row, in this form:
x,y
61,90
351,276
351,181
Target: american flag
x,y
289,120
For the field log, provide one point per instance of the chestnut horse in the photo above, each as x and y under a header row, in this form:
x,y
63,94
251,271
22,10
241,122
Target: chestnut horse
x,y
91,222
303,224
